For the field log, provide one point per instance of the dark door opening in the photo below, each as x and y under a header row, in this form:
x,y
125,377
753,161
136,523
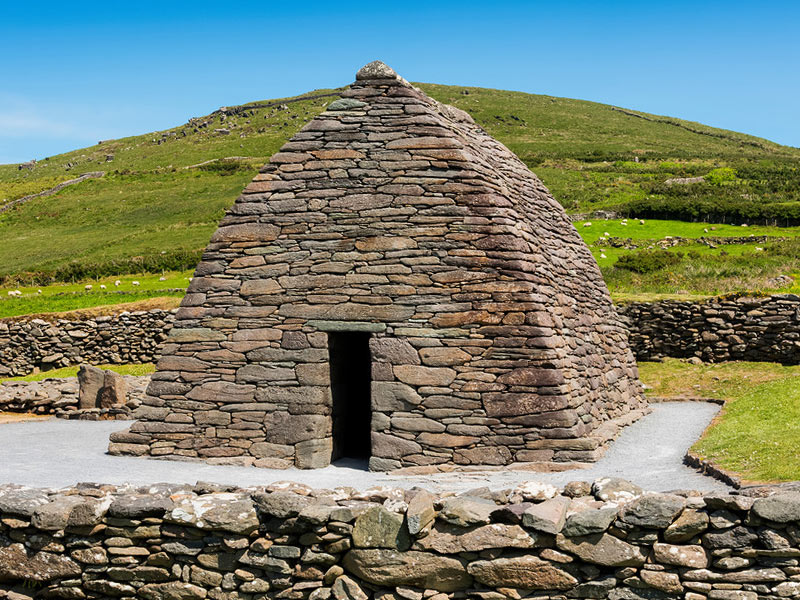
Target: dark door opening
x,y
351,374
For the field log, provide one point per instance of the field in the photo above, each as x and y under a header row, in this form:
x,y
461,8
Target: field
x,y
758,433
152,291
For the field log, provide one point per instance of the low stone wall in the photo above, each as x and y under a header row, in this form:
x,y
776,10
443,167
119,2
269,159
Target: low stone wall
x,y
290,542
59,397
757,329
135,337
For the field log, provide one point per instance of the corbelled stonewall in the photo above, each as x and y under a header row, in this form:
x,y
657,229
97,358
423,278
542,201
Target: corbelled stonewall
x,y
394,284
290,542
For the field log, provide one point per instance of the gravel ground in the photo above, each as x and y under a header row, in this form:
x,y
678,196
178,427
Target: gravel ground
x,y
58,453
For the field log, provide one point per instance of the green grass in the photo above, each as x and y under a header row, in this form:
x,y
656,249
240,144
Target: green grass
x,y
757,434
67,297
143,369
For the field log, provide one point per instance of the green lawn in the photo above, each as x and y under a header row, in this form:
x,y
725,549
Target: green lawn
x,y
143,369
757,434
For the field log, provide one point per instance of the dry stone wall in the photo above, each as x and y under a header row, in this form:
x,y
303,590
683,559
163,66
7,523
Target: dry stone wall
x,y
289,542
29,344
745,328
59,397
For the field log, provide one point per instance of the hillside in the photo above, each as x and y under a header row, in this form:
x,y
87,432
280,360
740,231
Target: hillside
x,y
162,194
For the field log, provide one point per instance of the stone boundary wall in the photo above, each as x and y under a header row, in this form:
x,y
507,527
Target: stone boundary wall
x,y
59,396
136,337
757,329
607,540
743,328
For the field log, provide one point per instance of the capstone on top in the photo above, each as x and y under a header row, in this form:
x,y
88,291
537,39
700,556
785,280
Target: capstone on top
x,y
376,70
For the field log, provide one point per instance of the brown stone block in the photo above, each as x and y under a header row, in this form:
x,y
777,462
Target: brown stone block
x,y
181,363
483,455
260,287
509,404
223,392
389,446
534,455
356,202
313,454
349,311
246,232
444,357
337,154
423,142
445,440
123,449
393,350
313,374
456,319
559,418
212,417
265,334
418,375
283,428
259,373
533,377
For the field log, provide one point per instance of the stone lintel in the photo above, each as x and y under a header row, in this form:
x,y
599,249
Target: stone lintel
x,y
347,326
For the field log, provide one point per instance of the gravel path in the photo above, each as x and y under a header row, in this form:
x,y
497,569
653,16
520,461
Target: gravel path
x,y
58,453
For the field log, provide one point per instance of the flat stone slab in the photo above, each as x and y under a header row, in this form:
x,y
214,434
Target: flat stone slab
x,y
58,453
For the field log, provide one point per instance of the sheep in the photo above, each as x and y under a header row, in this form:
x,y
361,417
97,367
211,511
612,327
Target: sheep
x,y
603,255
641,222
87,287
162,278
117,283
606,234
587,224
134,283
705,230
759,249
38,291
102,286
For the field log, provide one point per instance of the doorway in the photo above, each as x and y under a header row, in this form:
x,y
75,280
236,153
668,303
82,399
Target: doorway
x,y
351,374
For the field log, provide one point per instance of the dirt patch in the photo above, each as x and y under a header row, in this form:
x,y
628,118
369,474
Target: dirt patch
x,y
8,417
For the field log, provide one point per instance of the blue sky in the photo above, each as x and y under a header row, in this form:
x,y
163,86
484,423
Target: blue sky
x,y
73,73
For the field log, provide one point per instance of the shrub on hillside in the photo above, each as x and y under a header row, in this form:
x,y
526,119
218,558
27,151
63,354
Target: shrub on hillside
x,y
720,175
648,261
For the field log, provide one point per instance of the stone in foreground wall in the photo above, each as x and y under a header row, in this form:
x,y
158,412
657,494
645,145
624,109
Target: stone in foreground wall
x,y
135,337
59,397
757,329
290,542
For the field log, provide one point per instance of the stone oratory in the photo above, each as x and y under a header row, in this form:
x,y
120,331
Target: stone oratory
x,y
395,285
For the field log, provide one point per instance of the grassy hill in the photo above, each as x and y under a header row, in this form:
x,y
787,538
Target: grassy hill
x,y
163,193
